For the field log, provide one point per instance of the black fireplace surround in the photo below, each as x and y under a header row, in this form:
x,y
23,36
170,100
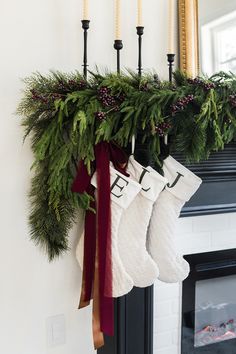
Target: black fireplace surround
x,y
134,312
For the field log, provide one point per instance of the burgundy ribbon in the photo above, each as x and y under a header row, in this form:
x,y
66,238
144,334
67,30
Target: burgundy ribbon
x,y
99,226
104,237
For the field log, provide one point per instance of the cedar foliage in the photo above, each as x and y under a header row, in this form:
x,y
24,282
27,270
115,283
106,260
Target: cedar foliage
x,y
66,116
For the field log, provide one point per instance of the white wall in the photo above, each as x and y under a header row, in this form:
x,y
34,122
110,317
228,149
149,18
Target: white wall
x,y
42,35
211,10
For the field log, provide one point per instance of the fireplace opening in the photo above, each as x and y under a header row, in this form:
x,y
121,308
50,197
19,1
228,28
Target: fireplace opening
x,y
215,310
209,304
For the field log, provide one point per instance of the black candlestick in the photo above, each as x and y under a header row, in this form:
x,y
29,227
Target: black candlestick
x,y
118,45
85,26
171,60
140,31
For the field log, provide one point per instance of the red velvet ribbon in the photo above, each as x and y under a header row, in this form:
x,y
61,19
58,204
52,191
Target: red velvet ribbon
x,y
99,225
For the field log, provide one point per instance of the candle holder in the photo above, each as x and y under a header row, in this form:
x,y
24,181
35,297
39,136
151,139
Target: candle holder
x,y
85,26
140,31
118,45
171,60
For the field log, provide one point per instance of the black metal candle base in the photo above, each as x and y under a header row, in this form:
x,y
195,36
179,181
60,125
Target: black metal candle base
x,y
118,45
171,60
85,26
140,31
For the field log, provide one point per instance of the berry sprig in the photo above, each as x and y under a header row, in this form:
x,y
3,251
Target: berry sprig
x,y
121,98
100,115
144,87
162,128
207,86
105,96
232,100
181,104
62,87
56,96
75,85
46,98
72,85
38,97
227,120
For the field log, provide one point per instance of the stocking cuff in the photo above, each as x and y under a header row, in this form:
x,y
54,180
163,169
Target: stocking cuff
x,y
123,189
182,182
151,181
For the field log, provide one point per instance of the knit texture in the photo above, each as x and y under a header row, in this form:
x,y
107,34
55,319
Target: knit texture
x,y
134,224
123,191
161,241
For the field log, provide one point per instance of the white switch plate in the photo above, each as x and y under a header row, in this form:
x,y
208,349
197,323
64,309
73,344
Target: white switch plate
x,y
56,330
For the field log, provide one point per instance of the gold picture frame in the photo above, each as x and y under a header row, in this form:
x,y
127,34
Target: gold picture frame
x,y
189,37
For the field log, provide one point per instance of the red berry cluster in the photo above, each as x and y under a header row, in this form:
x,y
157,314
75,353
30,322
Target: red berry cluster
x,y
121,97
232,100
227,120
199,82
162,128
100,115
55,96
46,98
144,87
72,85
81,85
63,87
181,104
38,97
208,86
105,96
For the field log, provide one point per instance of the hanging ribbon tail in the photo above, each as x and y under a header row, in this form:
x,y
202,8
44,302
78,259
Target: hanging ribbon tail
x,y
97,264
102,154
82,180
98,337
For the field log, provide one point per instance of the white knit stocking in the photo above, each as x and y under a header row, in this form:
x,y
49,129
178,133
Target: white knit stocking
x,y
123,191
134,224
161,237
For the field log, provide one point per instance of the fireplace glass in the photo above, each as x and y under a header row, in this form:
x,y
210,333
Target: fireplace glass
x,y
215,310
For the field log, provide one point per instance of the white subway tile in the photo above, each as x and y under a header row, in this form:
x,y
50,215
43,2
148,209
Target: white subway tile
x,y
175,308
170,350
223,239
194,241
211,223
166,324
184,225
164,310
167,292
164,339
159,284
176,337
232,221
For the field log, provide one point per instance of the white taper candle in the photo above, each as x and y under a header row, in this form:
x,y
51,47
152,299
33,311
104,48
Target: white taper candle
x,y
117,19
140,13
85,10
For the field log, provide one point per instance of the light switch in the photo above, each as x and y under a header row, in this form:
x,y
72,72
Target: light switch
x,y
56,330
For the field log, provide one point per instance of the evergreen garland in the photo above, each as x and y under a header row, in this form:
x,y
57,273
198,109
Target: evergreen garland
x,y
67,116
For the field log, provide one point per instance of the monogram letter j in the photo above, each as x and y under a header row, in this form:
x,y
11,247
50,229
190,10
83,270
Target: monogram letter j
x,y
179,175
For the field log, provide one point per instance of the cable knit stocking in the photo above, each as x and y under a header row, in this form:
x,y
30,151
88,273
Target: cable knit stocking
x,y
161,237
134,224
123,191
